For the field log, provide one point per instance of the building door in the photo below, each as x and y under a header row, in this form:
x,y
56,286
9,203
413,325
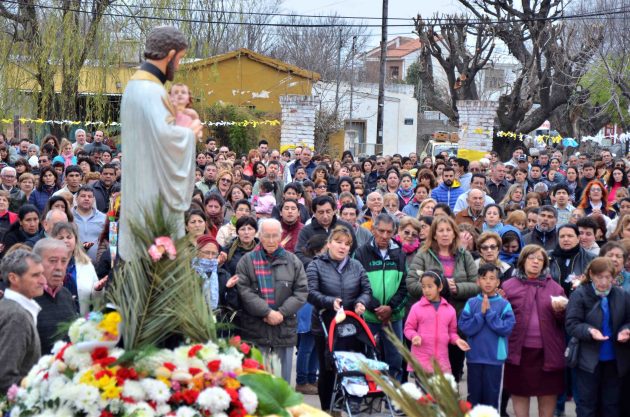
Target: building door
x,y
355,136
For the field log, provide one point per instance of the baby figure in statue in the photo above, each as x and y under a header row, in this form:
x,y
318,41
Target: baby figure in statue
x,y
180,97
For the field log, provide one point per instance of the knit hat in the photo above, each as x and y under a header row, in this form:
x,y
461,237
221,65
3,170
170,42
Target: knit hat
x,y
203,240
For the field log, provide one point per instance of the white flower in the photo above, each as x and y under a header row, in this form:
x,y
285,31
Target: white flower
x,y
231,363
59,344
186,412
75,330
448,377
162,409
64,411
411,390
214,399
57,386
84,397
77,360
249,399
140,409
208,352
133,390
156,390
483,411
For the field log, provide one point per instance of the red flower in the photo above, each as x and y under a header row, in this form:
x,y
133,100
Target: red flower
x,y
194,371
465,406
426,400
169,366
122,374
238,412
193,350
235,341
251,364
214,366
62,351
99,353
190,396
232,393
102,373
245,348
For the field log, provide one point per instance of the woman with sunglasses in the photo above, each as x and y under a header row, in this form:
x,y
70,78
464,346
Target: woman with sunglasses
x,y
489,246
595,200
408,237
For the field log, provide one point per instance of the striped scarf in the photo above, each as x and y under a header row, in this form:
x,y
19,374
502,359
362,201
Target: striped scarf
x,y
262,268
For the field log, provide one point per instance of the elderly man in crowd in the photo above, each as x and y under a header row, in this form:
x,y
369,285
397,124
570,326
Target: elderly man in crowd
x,y
19,340
58,305
17,198
385,264
473,214
478,182
272,287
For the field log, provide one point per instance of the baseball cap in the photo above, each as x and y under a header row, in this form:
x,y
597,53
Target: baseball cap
x,y
522,158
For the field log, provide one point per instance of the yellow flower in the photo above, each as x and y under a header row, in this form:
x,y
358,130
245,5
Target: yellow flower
x,y
110,322
111,392
165,380
88,378
231,383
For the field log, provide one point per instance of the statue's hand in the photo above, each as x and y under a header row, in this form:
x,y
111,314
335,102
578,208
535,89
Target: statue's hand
x,y
197,128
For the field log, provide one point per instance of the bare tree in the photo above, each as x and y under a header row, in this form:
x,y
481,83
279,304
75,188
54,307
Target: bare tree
x,y
551,62
317,48
50,40
446,39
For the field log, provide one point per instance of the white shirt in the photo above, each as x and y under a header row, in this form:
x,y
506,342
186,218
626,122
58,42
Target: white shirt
x,y
26,303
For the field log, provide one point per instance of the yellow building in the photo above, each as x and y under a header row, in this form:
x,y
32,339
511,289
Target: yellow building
x,y
245,78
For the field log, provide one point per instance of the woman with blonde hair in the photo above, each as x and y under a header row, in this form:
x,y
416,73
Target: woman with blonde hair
x,y
82,280
514,195
426,207
408,237
518,219
66,155
442,252
622,231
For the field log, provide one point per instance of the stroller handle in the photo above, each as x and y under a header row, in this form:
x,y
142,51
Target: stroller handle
x,y
321,319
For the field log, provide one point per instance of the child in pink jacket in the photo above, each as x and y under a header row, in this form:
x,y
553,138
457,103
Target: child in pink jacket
x,y
265,202
432,325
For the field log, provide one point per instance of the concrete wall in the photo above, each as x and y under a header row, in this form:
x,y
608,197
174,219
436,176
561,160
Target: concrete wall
x,y
476,121
298,121
399,105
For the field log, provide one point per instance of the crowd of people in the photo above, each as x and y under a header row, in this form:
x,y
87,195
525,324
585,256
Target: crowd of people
x,y
487,266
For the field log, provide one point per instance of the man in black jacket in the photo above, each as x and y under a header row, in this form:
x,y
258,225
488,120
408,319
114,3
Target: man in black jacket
x,y
323,221
105,186
544,234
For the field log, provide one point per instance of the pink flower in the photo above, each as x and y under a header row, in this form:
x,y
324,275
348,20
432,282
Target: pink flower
x,y
168,245
12,393
155,253
162,245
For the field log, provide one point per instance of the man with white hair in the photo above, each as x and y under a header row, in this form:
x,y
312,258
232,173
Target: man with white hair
x,y
58,305
472,214
272,286
80,139
17,198
23,272
53,217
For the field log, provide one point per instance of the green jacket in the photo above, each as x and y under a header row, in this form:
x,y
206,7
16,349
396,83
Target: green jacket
x,y
387,279
465,276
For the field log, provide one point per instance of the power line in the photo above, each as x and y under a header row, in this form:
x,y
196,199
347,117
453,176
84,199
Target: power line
x,y
470,22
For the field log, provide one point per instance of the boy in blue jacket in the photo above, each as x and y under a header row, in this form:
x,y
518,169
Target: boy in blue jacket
x,y
487,321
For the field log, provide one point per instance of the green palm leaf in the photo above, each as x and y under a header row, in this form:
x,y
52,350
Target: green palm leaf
x,y
160,299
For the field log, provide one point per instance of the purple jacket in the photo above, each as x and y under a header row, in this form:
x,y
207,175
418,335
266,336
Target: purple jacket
x,y
523,296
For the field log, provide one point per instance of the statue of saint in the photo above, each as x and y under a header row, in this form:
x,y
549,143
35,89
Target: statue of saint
x,y
159,156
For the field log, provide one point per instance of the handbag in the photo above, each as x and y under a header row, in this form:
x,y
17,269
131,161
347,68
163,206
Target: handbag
x,y
572,352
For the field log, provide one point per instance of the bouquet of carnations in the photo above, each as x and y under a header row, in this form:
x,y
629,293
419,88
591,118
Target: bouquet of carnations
x,y
222,380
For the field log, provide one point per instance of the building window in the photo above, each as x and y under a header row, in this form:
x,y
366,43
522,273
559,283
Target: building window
x,y
409,121
394,73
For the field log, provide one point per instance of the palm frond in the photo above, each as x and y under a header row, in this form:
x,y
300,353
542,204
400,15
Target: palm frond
x,y
159,299
445,398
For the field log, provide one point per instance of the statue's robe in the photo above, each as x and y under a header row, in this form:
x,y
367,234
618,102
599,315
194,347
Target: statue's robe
x,y
158,160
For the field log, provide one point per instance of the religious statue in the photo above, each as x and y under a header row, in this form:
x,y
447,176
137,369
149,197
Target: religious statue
x,y
159,162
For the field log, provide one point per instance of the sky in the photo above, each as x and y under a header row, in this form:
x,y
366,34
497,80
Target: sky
x,y
373,8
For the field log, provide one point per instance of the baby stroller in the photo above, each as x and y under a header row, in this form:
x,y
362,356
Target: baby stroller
x,y
349,344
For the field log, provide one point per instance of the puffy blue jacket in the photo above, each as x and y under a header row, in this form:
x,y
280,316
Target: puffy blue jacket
x,y
447,195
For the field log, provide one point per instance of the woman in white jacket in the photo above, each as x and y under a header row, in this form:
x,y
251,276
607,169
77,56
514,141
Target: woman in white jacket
x,y
80,269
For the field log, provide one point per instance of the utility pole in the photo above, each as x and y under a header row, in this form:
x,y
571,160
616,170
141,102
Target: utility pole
x,y
354,41
338,74
381,81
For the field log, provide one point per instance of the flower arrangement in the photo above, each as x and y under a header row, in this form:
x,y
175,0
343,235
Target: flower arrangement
x,y
223,380
96,327
163,245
